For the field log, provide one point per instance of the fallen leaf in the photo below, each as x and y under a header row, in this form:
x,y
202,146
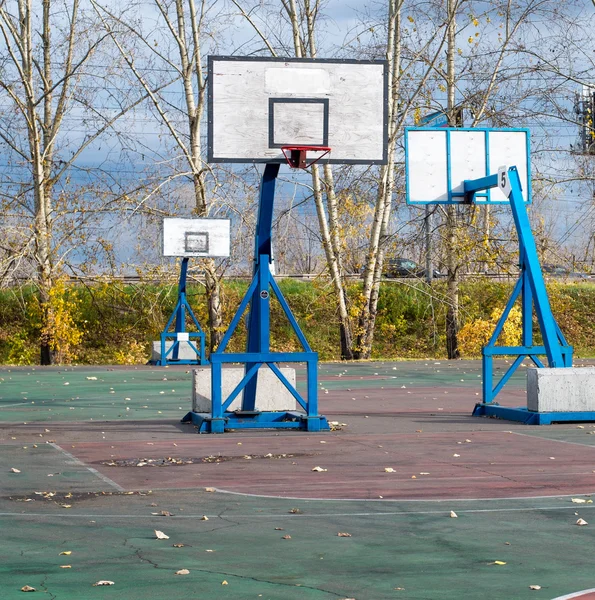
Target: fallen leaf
x,y
66,566
209,489
578,501
204,518
28,588
160,535
178,545
453,514
295,511
343,534
389,470
13,470
278,528
286,537
413,476
103,582
183,572
319,470
582,522
92,378
224,582
66,505
165,513
534,587
499,562
456,455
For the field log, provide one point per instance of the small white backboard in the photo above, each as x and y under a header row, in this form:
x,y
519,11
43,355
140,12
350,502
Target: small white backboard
x,y
258,104
205,238
438,160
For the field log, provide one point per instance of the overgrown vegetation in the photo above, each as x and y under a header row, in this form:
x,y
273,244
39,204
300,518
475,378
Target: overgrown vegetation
x,y
116,323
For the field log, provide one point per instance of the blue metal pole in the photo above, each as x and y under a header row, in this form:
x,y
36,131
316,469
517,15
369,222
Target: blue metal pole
x,y
181,312
527,303
543,309
258,320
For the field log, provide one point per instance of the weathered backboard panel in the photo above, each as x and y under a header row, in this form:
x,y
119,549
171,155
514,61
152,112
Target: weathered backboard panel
x,y
256,105
438,160
196,237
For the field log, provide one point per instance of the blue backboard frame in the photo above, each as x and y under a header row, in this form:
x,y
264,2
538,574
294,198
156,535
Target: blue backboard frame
x,y
484,197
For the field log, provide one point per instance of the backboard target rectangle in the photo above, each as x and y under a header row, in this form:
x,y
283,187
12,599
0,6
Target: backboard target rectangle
x,y
298,121
438,160
258,104
203,238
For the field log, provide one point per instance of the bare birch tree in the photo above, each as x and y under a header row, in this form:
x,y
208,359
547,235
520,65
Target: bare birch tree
x,y
46,49
177,49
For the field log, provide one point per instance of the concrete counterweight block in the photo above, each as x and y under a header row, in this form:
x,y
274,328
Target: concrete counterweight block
x,y
185,352
271,394
561,390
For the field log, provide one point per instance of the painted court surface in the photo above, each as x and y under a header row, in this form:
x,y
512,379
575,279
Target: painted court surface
x,y
104,461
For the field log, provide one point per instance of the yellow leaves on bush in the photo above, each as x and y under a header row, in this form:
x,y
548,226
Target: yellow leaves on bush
x,y
475,334
134,353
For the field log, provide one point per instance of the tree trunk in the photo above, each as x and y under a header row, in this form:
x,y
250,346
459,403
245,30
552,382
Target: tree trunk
x,y
452,315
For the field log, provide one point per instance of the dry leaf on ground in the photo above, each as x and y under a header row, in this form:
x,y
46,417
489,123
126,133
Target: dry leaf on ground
x,y
499,562
13,470
319,469
65,553
453,514
204,518
582,522
183,572
389,470
224,582
178,545
343,534
66,566
103,582
28,588
160,535
286,537
209,489
534,587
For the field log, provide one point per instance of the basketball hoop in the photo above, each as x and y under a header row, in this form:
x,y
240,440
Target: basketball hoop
x,y
296,156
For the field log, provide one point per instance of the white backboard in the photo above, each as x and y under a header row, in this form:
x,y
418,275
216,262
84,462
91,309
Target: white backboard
x,y
256,105
438,160
196,237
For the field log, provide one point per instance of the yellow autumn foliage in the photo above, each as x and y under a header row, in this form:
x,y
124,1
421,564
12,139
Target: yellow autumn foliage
x,y
474,335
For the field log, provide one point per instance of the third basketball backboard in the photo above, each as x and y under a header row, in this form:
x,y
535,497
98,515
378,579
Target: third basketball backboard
x,y
437,161
259,105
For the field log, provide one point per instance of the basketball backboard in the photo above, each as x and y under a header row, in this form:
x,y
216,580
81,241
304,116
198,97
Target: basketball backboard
x,y
438,160
258,105
205,238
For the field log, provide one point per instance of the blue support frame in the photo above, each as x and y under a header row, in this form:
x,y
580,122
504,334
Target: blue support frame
x,y
258,351
171,356
531,288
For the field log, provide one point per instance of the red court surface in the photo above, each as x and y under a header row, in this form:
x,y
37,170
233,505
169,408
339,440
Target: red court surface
x,y
433,466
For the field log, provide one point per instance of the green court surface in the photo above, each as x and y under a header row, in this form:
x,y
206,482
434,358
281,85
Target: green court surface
x,y
406,549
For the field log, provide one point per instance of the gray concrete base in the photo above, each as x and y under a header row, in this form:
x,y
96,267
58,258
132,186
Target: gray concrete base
x,y
185,352
561,390
271,394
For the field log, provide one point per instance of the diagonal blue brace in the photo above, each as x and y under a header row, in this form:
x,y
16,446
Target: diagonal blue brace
x,y
258,353
531,288
171,356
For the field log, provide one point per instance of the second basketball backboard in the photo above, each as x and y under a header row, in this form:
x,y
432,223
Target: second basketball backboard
x,y
258,105
201,238
438,161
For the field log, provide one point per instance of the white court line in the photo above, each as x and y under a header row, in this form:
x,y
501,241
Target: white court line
x,y
431,500
289,515
95,472
546,439
17,404
575,595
